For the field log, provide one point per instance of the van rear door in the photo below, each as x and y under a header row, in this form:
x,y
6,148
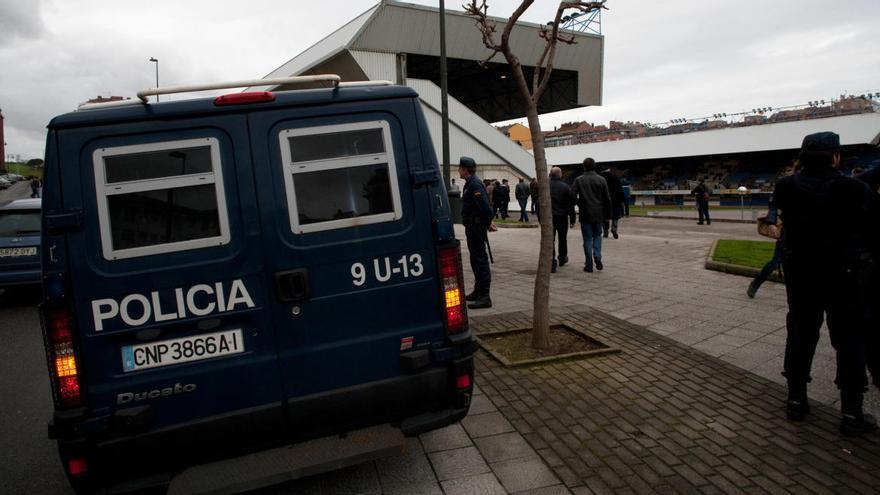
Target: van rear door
x,y
167,280
350,258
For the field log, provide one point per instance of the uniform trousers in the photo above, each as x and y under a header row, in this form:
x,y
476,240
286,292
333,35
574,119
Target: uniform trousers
x,y
816,293
475,235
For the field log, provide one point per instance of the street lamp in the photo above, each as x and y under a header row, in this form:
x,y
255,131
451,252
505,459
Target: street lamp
x,y
152,59
742,196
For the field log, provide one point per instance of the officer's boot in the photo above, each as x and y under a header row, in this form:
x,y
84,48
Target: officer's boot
x,y
473,295
854,422
798,406
482,301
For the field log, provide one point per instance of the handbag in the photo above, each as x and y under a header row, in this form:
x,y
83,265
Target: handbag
x,y
773,231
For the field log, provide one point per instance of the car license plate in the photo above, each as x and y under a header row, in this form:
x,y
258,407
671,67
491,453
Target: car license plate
x,y
18,251
182,350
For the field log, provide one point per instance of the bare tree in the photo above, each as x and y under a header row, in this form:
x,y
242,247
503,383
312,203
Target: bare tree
x,y
531,95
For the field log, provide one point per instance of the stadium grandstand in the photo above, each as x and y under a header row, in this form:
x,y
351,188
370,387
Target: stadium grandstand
x,y
662,163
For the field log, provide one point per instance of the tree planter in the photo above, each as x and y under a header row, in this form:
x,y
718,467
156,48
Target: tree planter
x,y
511,347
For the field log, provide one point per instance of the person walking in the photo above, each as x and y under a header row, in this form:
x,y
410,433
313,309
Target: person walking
x,y
594,203
35,188
453,189
533,190
505,198
774,264
522,197
476,216
825,275
617,200
562,205
490,192
701,194
872,308
765,224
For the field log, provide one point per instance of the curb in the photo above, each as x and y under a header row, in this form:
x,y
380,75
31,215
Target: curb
x,y
517,225
716,220
745,271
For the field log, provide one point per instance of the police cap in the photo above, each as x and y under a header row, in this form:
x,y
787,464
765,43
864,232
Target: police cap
x,y
821,141
468,163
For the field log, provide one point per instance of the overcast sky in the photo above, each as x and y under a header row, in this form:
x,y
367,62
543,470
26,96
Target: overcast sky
x,y
663,60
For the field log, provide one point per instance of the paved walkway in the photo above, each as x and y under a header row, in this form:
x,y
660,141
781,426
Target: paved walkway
x,y
484,454
692,404
654,276
661,417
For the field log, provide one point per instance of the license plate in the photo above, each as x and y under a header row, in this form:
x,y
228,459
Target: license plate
x,y
18,251
182,350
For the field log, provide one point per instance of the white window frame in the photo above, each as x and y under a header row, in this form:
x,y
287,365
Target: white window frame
x,y
104,190
291,168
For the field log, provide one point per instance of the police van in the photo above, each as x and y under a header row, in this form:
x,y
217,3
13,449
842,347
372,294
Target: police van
x,y
224,276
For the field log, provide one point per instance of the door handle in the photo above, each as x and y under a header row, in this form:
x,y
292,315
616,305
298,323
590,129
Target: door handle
x,y
292,285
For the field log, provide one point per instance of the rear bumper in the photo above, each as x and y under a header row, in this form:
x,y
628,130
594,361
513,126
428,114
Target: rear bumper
x,y
12,278
418,401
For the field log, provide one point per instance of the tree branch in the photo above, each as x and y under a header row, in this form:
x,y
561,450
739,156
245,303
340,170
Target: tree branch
x,y
553,38
486,28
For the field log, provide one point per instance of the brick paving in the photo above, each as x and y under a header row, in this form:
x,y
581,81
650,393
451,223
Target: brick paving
x,y
654,277
662,417
483,454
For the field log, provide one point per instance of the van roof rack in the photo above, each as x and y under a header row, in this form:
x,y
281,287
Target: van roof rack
x,y
278,81
335,79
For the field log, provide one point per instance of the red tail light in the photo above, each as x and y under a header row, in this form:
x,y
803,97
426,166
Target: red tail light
x,y
244,98
463,381
63,365
453,289
77,467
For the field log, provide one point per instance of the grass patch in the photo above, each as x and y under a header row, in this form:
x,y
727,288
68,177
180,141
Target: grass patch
x,y
744,253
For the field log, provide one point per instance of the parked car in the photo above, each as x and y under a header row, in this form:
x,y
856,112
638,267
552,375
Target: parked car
x,y
5,183
20,242
239,274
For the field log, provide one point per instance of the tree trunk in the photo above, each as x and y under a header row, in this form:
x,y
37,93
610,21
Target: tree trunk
x,y
541,301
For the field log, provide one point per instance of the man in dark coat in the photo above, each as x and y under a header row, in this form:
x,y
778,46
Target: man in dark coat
x,y
617,199
505,198
826,260
594,203
872,300
562,204
522,197
533,189
476,215
701,194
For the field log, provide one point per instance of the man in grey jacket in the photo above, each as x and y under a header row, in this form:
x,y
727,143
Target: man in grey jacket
x,y
594,203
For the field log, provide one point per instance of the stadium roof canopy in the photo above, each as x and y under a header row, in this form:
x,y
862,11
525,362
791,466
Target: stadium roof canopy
x,y
861,129
411,34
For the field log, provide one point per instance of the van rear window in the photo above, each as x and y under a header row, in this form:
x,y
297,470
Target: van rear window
x,y
340,176
336,145
160,198
343,193
14,223
167,163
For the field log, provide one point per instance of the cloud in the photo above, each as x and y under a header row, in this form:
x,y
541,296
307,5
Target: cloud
x,y
20,19
661,62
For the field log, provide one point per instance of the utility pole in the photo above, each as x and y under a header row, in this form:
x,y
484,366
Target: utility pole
x,y
444,96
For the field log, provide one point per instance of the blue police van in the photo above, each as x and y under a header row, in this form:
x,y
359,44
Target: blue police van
x,y
228,275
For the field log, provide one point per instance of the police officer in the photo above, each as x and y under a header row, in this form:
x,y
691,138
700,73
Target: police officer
x,y
476,214
872,303
825,257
